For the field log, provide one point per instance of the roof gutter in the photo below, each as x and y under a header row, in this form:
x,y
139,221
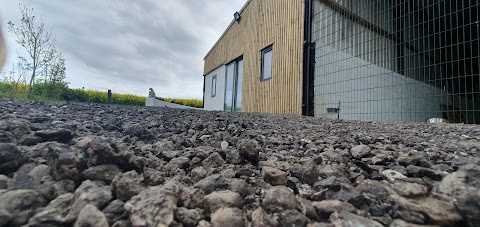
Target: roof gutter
x,y
308,62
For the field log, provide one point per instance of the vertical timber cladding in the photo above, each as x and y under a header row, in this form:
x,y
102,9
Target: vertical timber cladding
x,y
266,22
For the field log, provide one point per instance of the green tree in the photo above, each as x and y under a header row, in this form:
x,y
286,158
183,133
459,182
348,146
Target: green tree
x,y
33,37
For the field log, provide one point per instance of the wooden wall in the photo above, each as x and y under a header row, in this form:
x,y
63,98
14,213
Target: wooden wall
x,y
266,22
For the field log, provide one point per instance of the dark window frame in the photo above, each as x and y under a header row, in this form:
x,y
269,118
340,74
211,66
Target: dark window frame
x,y
235,75
263,52
213,93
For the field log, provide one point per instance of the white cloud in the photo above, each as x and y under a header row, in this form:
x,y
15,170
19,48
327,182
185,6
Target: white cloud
x,y
130,46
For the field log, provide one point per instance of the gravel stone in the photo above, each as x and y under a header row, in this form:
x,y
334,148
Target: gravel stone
x,y
228,217
217,200
360,151
104,173
60,135
10,158
66,164
248,149
280,198
92,217
309,172
274,176
127,185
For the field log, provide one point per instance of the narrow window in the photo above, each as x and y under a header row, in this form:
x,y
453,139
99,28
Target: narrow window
x,y
214,86
267,57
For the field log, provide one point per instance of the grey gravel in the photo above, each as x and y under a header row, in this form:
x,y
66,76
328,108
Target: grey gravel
x,y
142,166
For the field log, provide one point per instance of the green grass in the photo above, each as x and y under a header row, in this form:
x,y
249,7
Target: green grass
x,y
63,93
186,102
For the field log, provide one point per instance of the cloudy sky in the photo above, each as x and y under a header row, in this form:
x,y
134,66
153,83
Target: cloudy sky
x,y
130,46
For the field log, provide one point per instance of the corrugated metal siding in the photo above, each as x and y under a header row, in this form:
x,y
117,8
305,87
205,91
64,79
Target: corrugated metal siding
x,y
265,22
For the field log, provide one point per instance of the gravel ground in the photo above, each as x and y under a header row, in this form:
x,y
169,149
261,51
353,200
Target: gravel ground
x,y
69,164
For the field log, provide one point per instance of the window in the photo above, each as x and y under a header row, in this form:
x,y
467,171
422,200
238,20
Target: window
x,y
267,57
214,86
233,86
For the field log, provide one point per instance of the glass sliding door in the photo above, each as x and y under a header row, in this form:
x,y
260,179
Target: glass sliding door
x,y
233,86
238,87
229,87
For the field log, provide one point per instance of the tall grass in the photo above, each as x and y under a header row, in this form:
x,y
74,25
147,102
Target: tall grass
x,y
92,96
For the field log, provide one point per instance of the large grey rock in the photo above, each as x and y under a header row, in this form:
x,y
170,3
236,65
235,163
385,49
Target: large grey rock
x,y
309,172
232,156
402,223
55,213
335,170
192,198
104,173
219,199
212,183
111,151
21,205
4,182
327,207
15,128
260,218
63,186
115,211
393,175
22,179
38,173
153,177
410,158
90,216
292,218
198,173
126,185
240,186
215,160
189,217
178,163
308,209
361,151
464,185
89,193
274,176
152,207
331,183
461,182
280,198
227,217
410,190
249,150
66,164
469,207
417,171
426,210
349,194
60,135
346,219
5,217
10,158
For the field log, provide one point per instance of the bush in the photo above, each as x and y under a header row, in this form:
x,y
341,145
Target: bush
x,y
51,90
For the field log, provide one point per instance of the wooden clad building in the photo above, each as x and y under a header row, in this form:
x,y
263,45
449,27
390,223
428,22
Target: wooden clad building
x,y
275,26
394,61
